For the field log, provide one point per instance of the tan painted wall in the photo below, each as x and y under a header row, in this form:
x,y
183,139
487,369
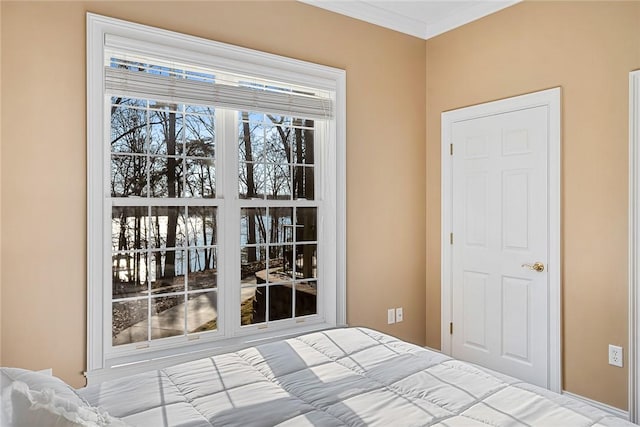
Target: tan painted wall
x,y
587,48
43,159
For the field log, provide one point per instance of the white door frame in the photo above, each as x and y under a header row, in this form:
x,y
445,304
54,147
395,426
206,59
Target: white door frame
x,y
634,245
551,99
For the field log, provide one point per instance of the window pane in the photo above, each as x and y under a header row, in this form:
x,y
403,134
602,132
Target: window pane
x,y
202,226
280,301
303,182
129,274
128,126
251,137
129,228
243,185
165,177
306,219
251,155
253,260
280,264
201,178
129,322
253,223
306,257
253,305
168,227
167,271
303,144
280,225
278,181
166,130
202,312
306,298
251,180
202,269
167,316
128,176
199,133
278,142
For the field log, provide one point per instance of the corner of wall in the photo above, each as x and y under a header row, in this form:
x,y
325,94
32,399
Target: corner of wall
x,y
426,197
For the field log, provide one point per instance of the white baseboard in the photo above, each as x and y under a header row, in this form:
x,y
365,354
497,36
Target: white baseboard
x,y
602,406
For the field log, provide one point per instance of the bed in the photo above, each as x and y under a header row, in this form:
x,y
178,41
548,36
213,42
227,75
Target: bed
x,y
339,377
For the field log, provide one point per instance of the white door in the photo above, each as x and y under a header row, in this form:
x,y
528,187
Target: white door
x,y
500,226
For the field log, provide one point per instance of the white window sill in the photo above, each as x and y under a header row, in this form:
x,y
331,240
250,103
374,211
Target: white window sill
x,y
163,359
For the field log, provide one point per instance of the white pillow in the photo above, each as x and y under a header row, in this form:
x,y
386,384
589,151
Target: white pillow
x,y
38,381
46,408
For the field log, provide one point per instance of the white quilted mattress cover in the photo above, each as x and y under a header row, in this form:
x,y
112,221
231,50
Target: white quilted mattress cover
x,y
340,377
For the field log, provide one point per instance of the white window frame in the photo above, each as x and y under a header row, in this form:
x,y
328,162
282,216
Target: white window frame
x,y
103,362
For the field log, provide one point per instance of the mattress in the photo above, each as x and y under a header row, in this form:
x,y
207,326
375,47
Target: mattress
x,y
340,377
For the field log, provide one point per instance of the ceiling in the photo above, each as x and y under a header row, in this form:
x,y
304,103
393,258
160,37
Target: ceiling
x,y
419,18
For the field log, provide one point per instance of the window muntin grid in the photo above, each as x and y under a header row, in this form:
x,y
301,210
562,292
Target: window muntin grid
x,y
276,156
164,257
283,146
162,150
279,263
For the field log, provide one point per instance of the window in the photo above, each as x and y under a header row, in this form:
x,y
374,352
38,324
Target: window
x,y
215,197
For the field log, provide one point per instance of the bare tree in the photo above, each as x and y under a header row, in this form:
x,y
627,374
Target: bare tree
x,y
251,188
309,220
172,215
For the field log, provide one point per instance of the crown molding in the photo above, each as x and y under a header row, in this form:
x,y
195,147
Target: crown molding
x,y
465,16
367,11
418,27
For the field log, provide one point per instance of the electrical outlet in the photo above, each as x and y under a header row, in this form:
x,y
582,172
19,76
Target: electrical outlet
x,y
391,316
615,355
399,315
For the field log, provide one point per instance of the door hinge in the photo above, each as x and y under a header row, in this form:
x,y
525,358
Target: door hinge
x,y
451,149
451,328
451,238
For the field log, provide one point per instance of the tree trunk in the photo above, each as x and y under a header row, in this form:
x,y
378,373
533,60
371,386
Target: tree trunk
x,y
309,159
251,189
172,220
298,178
212,242
207,251
284,136
122,244
137,245
158,258
309,185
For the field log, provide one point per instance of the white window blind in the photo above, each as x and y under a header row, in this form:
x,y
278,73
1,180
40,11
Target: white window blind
x,y
175,88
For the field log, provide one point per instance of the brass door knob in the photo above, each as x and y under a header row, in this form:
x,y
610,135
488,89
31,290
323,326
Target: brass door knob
x,y
538,266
